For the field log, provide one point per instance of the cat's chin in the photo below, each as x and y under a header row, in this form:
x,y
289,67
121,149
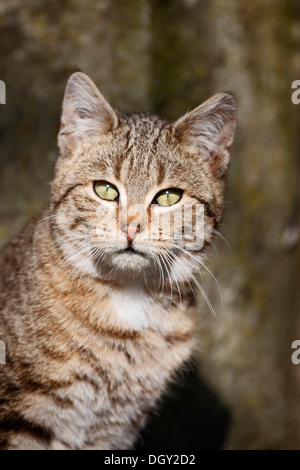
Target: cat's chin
x,y
124,266
130,261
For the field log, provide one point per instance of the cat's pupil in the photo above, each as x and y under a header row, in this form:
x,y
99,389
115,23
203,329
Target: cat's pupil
x,y
106,191
168,197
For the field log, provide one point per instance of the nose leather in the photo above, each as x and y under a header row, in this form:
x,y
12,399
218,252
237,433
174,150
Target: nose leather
x,y
132,230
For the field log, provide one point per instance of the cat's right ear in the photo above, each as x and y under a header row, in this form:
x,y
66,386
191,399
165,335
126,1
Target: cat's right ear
x,y
208,131
85,113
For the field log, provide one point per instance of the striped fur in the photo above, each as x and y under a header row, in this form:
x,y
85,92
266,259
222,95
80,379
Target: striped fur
x,y
94,334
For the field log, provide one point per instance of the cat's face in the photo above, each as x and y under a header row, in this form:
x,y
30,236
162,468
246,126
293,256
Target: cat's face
x,y
135,196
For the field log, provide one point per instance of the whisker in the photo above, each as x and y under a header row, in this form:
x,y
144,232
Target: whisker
x,y
44,220
176,282
161,274
80,269
170,281
223,238
175,257
216,250
198,285
203,265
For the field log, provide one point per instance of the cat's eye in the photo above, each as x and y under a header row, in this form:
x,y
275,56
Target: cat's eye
x,y
106,190
168,197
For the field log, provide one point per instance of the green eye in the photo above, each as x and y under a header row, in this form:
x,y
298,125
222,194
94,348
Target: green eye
x,y
168,197
106,191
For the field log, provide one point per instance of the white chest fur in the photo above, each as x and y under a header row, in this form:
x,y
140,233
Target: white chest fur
x,y
134,309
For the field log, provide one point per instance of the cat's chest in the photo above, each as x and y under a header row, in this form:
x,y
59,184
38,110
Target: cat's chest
x,y
122,367
132,309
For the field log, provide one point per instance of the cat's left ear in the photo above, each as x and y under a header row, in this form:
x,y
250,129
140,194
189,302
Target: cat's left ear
x,y
86,113
208,131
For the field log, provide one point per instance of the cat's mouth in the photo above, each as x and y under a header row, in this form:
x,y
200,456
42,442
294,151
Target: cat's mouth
x,y
131,251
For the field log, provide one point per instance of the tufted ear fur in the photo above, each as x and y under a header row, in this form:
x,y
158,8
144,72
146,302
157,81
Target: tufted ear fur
x,y
208,131
85,113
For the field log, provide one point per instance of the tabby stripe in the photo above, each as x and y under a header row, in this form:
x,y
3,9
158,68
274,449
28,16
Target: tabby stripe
x,y
88,357
18,423
161,174
91,200
110,332
66,194
117,167
78,221
50,385
85,378
56,354
131,166
79,207
122,349
176,337
96,369
48,390
62,402
208,210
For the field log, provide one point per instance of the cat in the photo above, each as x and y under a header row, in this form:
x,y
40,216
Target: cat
x,y
96,314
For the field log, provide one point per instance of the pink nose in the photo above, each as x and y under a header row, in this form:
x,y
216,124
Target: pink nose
x,y
131,230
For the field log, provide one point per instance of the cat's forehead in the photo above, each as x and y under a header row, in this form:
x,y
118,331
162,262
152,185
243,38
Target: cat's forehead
x,y
141,155
148,157
145,124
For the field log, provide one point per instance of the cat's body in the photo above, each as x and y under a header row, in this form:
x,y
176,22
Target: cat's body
x,y
79,381
95,326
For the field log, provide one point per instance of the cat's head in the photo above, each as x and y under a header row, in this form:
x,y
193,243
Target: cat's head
x,y
137,196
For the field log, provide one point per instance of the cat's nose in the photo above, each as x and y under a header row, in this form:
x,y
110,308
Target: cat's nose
x,y
131,230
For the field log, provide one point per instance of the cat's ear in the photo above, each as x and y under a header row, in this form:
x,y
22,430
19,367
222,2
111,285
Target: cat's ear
x,y
208,131
85,113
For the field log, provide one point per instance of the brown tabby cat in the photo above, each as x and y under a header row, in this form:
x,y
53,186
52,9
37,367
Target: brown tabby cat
x,y
96,312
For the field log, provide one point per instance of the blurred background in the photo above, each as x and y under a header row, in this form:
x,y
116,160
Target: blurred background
x,y
167,56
